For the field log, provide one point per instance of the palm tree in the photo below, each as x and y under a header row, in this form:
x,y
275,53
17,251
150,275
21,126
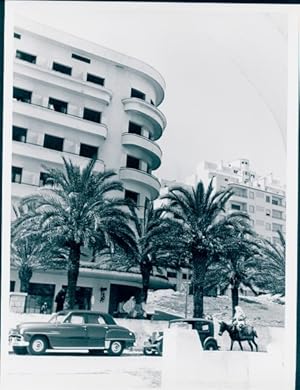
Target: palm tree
x,y
199,214
237,263
272,266
81,209
29,251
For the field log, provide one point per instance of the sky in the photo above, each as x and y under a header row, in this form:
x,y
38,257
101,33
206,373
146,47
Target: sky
x,y
225,70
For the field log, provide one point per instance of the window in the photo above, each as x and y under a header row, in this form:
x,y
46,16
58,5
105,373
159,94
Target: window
x,y
58,105
268,226
277,214
95,319
276,201
21,55
52,142
21,95
95,79
137,94
267,199
12,285
235,171
225,179
268,212
251,209
19,134
16,175
17,36
92,115
240,192
62,68
133,162
134,128
171,274
251,194
235,206
184,276
88,151
45,179
134,196
77,319
80,58
276,227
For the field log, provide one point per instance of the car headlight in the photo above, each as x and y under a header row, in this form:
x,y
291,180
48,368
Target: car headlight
x,y
22,331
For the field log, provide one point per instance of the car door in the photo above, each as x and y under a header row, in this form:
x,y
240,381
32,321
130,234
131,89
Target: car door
x,y
96,330
72,333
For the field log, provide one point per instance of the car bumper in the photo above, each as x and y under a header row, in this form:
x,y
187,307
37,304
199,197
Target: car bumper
x,y
17,341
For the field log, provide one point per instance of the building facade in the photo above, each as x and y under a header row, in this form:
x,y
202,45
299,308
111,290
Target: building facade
x,y
78,100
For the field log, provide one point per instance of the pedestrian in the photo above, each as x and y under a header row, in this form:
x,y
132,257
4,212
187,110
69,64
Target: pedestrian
x,y
44,308
60,299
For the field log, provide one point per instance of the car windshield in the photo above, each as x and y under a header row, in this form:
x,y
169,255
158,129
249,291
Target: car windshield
x,y
57,318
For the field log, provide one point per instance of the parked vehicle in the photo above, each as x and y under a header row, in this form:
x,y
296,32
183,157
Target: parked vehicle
x,y
72,330
204,327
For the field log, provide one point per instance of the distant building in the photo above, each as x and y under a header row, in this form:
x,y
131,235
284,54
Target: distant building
x,y
78,100
262,197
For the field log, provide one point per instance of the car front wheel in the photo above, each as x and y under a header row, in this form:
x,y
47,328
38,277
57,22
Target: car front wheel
x,y
38,345
116,348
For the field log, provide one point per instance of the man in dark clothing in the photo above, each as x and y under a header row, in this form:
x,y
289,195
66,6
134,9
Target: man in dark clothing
x,y
60,299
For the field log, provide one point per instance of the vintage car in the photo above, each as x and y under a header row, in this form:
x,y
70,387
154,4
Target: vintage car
x,y
72,330
204,327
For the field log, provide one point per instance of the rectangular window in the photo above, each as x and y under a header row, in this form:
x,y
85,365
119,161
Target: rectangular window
x,y
137,94
62,68
276,227
171,274
80,58
19,134
88,151
58,105
12,285
21,55
276,201
91,115
235,206
251,194
21,95
16,175
134,128
267,199
52,142
268,226
277,214
133,162
134,196
240,192
95,79
17,36
251,209
44,179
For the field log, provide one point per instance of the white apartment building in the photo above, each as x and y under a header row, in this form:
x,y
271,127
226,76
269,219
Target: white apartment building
x,y
79,100
262,197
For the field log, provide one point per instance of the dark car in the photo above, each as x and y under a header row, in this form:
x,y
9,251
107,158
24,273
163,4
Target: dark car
x,y
75,329
204,327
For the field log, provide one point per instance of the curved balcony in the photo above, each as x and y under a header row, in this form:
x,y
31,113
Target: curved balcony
x,y
40,112
75,83
152,114
151,151
142,178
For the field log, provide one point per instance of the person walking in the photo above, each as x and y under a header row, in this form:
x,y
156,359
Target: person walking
x,y
60,299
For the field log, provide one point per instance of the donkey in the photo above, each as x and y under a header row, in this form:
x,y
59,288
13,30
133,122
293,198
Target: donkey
x,y
248,334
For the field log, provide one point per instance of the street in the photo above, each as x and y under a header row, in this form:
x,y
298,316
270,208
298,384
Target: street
x,y
79,371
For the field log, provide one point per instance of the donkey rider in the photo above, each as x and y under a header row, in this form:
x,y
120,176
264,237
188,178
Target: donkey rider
x,y
239,320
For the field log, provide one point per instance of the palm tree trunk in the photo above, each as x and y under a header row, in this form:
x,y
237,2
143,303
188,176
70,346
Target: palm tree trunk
x,y
73,272
25,274
146,268
199,268
234,297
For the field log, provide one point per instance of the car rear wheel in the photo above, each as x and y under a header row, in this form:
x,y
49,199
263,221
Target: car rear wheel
x,y
210,345
20,350
115,348
38,345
